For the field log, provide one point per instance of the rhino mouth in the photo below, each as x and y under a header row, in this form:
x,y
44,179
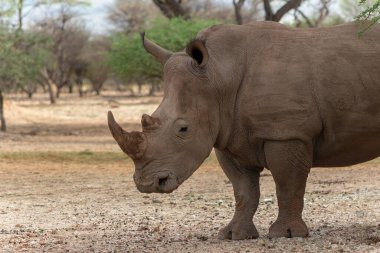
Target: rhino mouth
x,y
164,182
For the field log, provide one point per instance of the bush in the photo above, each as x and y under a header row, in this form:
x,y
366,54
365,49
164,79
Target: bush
x,y
128,58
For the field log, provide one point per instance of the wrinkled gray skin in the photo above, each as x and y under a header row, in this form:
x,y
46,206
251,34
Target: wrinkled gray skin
x,y
263,95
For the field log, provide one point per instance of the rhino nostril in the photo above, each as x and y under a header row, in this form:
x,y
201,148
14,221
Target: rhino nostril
x,y
162,181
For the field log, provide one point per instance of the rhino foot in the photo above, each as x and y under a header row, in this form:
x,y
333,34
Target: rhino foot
x,y
236,232
295,228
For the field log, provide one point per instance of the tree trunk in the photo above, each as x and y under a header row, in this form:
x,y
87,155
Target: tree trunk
x,y
151,91
49,84
30,95
20,5
172,8
140,88
2,119
58,92
79,83
97,87
177,9
237,6
44,90
51,93
71,88
153,88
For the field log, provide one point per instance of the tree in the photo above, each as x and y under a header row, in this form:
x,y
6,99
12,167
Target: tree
x,y
33,56
172,8
316,14
59,26
69,39
79,70
209,9
97,70
129,60
279,14
273,10
22,58
5,76
132,16
238,4
371,14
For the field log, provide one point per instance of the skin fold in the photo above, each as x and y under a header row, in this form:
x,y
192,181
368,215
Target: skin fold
x,y
263,96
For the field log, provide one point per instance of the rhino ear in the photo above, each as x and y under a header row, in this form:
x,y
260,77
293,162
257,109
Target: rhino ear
x,y
197,50
159,53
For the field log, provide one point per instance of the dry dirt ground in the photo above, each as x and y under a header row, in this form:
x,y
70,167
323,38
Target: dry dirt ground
x,y
66,187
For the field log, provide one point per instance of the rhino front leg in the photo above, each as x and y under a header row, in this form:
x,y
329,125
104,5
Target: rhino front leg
x,y
247,194
289,163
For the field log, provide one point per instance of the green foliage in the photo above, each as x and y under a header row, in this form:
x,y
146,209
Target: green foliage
x,y
128,58
371,14
23,56
8,56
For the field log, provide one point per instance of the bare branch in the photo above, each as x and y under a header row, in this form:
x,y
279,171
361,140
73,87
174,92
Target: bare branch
x,y
307,20
323,12
291,4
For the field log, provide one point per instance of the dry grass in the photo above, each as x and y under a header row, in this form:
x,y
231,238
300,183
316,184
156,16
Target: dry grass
x,y
83,157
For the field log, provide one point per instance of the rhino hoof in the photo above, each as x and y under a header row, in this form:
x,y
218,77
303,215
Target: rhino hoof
x,y
238,233
290,229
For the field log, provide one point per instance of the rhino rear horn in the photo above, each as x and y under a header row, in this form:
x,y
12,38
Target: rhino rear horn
x,y
159,53
149,122
133,143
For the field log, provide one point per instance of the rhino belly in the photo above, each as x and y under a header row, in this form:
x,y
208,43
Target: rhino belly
x,y
349,106
347,141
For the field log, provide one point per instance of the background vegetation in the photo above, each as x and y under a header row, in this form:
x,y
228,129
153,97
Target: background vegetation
x,y
57,53
128,59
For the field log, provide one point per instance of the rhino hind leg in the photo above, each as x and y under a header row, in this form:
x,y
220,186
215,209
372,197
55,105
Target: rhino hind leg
x,y
247,194
289,163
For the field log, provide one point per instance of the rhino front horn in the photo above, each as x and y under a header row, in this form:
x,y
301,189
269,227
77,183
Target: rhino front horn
x,y
133,143
159,53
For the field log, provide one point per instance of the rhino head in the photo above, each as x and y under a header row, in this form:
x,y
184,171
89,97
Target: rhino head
x,y
182,131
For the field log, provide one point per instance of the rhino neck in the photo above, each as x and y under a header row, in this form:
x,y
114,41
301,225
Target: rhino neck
x,y
229,111
227,65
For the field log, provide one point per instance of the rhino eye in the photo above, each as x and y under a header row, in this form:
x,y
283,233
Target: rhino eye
x,y
183,129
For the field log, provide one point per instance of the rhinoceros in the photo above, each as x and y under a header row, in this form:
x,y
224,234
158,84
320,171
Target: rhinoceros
x,y
263,96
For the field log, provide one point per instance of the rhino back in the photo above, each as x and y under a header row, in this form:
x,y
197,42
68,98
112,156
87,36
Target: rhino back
x,y
321,85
